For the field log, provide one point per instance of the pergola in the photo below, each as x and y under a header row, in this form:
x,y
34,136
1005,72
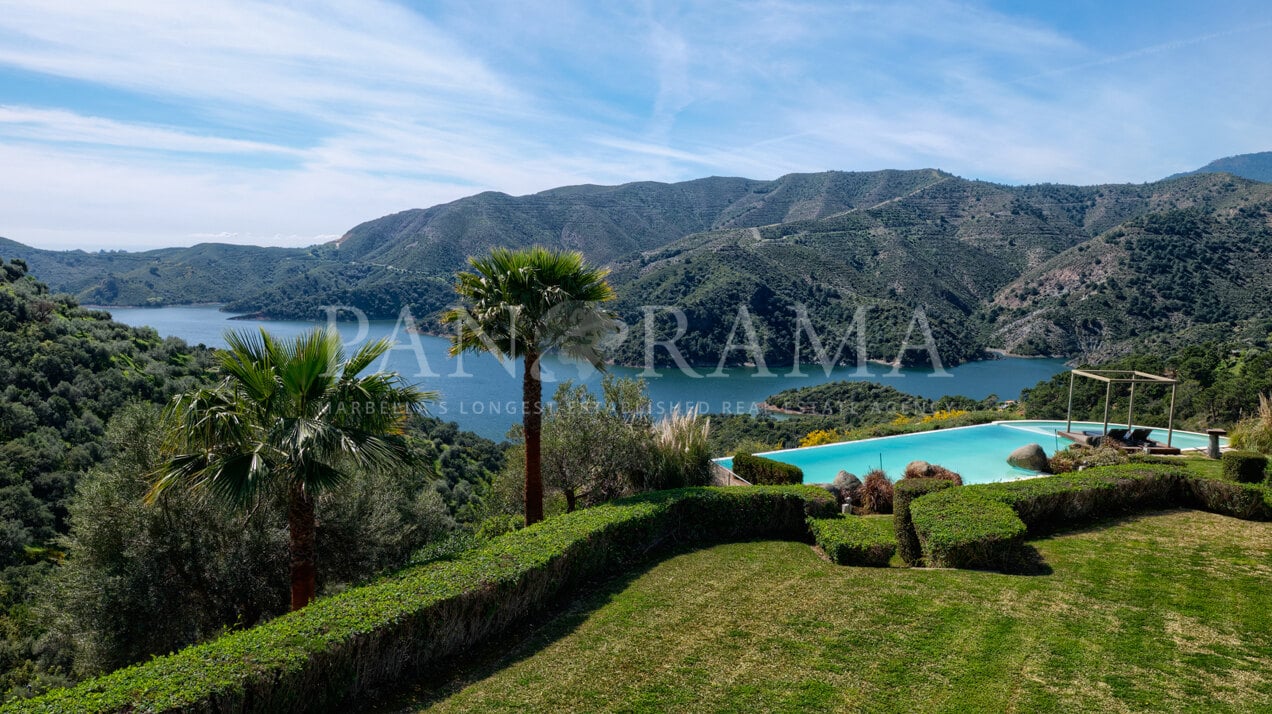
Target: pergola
x,y
1123,376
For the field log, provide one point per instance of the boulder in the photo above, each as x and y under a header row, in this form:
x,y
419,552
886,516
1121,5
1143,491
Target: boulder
x,y
1030,457
833,490
849,486
917,469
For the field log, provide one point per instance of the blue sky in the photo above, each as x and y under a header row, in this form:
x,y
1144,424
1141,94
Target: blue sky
x,y
141,124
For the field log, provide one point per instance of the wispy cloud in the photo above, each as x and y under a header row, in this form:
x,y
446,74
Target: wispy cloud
x,y
246,120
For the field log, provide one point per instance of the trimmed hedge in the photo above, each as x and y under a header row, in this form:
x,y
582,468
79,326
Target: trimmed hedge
x,y
905,491
766,472
855,540
958,530
983,526
344,646
1244,466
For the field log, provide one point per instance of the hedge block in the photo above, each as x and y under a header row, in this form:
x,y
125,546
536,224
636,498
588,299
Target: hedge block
x,y
1244,466
905,491
958,530
855,540
766,472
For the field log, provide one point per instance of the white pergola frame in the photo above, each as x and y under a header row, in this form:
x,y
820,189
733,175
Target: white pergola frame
x,y
1124,376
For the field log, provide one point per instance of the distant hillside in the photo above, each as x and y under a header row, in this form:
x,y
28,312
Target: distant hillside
x,y
1256,167
1045,269
209,272
414,254
1197,268
957,248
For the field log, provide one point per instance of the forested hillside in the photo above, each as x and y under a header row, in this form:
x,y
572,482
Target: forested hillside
x,y
1196,269
87,569
1045,269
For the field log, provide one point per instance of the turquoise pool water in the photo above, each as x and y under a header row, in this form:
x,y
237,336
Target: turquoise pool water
x,y
978,453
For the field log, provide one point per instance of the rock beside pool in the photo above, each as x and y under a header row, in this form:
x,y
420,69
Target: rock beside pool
x,y
1030,457
922,469
849,486
917,469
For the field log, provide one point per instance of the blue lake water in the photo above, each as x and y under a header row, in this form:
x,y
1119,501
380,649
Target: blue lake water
x,y
484,395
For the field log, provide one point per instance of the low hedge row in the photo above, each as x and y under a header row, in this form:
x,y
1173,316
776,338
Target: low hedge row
x,y
1245,466
903,493
766,472
855,540
984,526
349,644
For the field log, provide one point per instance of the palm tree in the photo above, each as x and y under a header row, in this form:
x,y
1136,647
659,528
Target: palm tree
x,y
288,414
526,303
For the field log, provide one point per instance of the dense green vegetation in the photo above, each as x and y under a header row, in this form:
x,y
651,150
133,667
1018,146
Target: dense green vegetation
x,y
853,403
855,540
761,471
1160,612
90,577
347,645
1221,384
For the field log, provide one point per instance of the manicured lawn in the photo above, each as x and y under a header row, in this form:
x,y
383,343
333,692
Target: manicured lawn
x,y
1168,611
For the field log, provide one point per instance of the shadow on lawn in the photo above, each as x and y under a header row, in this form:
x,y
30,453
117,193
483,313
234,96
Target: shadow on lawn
x,y
522,641
1030,560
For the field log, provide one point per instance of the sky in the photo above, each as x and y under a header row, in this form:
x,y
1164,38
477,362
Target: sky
x,y
131,125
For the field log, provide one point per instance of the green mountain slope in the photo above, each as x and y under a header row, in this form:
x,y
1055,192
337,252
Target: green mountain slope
x,y
1034,269
1195,269
950,247
209,272
413,255
1256,167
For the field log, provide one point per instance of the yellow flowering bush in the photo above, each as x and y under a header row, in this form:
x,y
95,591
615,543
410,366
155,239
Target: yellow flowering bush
x,y
944,414
821,436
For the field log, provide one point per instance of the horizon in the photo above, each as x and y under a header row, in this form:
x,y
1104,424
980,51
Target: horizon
x,y
145,127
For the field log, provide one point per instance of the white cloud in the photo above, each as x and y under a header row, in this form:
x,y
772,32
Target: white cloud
x,y
290,123
57,126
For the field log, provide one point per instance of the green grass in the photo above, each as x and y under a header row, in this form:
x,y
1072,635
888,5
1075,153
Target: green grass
x,y
1165,611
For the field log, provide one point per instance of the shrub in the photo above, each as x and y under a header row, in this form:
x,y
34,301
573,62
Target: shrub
x,y
1054,501
818,437
876,493
681,455
766,472
968,527
498,525
1077,457
923,470
1255,433
1244,466
962,530
1239,500
855,540
905,491
342,647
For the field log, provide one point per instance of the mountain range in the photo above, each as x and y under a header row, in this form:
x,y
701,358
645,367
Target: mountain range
x,y
1044,269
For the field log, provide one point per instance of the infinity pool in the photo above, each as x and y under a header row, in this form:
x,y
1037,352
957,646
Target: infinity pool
x,y
978,453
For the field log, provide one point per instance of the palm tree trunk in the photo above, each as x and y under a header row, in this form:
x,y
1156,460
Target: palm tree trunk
x,y
303,546
532,394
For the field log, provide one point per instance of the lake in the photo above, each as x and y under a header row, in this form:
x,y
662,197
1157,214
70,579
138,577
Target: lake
x,y
484,395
